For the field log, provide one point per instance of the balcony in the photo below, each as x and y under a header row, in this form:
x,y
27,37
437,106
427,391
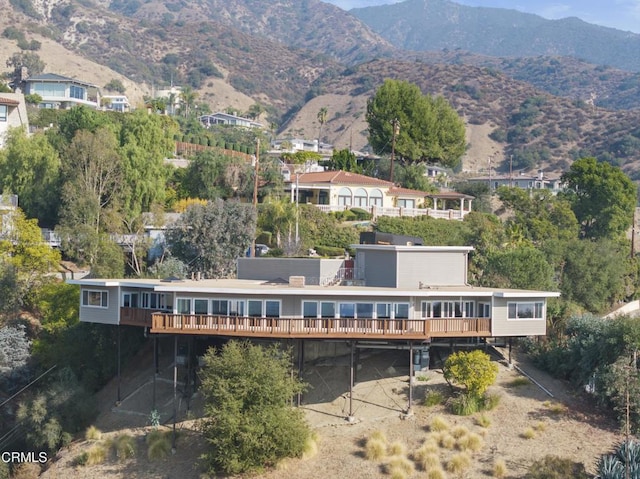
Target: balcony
x,y
136,316
312,328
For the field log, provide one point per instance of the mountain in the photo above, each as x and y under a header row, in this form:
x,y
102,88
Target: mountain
x,y
442,24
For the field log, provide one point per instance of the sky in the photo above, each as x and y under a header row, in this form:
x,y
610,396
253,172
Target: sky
x,y
620,14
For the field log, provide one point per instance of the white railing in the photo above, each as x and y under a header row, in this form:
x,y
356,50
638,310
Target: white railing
x,y
397,212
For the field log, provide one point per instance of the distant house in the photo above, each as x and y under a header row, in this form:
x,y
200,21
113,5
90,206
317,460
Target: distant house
x,y
8,205
118,103
221,118
61,92
13,114
292,145
524,181
341,190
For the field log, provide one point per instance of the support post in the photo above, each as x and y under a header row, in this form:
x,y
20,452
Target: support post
x,y
119,375
175,392
510,347
351,377
300,367
410,405
155,373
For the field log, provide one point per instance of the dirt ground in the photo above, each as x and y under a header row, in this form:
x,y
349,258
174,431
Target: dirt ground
x,y
563,424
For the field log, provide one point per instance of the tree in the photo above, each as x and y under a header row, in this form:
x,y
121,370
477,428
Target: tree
x,y
115,85
602,196
278,217
211,175
255,111
188,97
414,177
429,129
522,267
30,168
344,160
322,119
472,370
209,238
31,61
249,422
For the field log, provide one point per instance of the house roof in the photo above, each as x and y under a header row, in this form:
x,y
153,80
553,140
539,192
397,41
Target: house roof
x,y
450,195
339,178
9,101
397,191
55,78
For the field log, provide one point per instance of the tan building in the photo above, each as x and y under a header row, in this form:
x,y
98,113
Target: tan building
x,y
13,114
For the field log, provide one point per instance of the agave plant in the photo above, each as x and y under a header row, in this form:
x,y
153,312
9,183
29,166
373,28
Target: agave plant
x,y
614,464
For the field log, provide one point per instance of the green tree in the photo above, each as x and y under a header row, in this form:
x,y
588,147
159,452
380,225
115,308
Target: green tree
x,y
602,196
344,160
277,216
31,61
188,98
413,176
522,267
430,129
211,175
255,111
115,85
30,168
249,422
322,119
209,238
473,370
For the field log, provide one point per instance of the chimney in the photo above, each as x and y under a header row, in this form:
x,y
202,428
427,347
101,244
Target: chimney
x,y
296,281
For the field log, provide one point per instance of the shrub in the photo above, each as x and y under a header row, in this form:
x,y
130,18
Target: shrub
x,y
96,455
459,431
379,435
483,421
470,442
519,381
396,448
329,250
400,463
438,423
528,433
555,407
554,467
436,473
26,470
473,370
375,449
458,463
447,441
490,401
311,446
80,459
465,405
427,460
93,434
540,426
360,214
124,446
433,398
499,468
159,448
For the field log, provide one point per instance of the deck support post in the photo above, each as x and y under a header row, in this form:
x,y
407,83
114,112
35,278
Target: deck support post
x,y
350,418
300,367
510,346
118,399
409,411
355,373
175,392
155,372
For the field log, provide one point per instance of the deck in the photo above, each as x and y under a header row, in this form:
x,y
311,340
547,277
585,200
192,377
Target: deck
x,y
304,328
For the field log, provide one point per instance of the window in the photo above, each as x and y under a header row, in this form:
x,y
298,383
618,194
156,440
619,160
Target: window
x,y
344,197
405,203
327,310
219,307
347,310
364,310
3,112
254,308
360,198
526,310
76,92
184,306
201,306
383,310
95,299
484,310
375,198
309,309
272,308
448,309
401,310
236,307
130,300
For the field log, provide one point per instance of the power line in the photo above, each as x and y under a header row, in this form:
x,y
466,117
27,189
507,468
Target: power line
x,y
30,384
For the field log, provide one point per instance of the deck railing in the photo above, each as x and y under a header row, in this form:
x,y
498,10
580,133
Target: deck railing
x,y
319,328
136,316
393,211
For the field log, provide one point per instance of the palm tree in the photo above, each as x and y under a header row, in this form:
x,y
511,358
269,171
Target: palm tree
x,y
322,119
188,97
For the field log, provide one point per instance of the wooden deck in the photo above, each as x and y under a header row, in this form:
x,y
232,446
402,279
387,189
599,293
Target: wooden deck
x,y
301,328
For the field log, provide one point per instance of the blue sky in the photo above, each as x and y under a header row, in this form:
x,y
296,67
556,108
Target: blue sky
x,y
620,14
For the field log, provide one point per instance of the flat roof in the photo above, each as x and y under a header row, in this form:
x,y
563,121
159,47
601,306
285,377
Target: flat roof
x,y
433,249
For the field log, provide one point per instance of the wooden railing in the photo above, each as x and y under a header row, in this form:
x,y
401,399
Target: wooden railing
x,y
313,328
136,316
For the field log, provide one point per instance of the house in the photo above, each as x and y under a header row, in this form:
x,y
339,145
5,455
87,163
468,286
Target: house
x,y
292,145
118,103
341,190
388,293
522,180
221,118
8,205
173,97
13,114
60,92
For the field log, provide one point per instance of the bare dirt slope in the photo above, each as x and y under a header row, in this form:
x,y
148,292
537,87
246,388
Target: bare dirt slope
x,y
564,425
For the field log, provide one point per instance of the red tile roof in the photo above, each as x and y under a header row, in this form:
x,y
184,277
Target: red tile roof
x,y
340,178
397,191
9,101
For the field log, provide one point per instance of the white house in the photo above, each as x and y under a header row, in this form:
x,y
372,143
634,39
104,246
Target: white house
x,y
58,91
13,114
221,118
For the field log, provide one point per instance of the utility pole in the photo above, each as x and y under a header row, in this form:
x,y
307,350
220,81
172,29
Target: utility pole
x,y
490,175
396,131
255,190
510,171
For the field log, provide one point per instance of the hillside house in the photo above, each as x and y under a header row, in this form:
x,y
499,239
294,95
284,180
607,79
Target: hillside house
x,y
13,114
522,180
221,118
341,190
60,92
119,103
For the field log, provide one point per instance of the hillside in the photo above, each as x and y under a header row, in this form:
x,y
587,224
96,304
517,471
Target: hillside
x,y
498,32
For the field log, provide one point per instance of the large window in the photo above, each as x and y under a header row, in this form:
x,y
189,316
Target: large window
x,y
271,308
201,306
484,310
155,301
360,198
130,300
344,197
76,92
95,299
526,310
448,309
3,112
375,198
183,306
49,89
406,203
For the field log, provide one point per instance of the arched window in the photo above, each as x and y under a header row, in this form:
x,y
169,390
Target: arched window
x,y
375,198
360,198
345,197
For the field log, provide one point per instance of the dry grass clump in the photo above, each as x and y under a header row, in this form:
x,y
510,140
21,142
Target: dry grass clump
x,y
528,433
379,435
93,434
96,454
555,407
483,421
26,470
124,446
470,442
159,444
518,382
459,431
447,441
310,448
433,398
427,460
458,463
400,464
438,424
540,426
499,469
436,473
375,450
396,448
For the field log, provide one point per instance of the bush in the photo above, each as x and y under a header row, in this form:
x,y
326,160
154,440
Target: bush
x,y
426,458
400,463
159,444
438,423
375,449
528,433
470,442
26,470
396,448
329,251
554,467
499,469
433,398
360,214
458,463
436,473
465,405
483,421
96,454
93,434
124,446
473,370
